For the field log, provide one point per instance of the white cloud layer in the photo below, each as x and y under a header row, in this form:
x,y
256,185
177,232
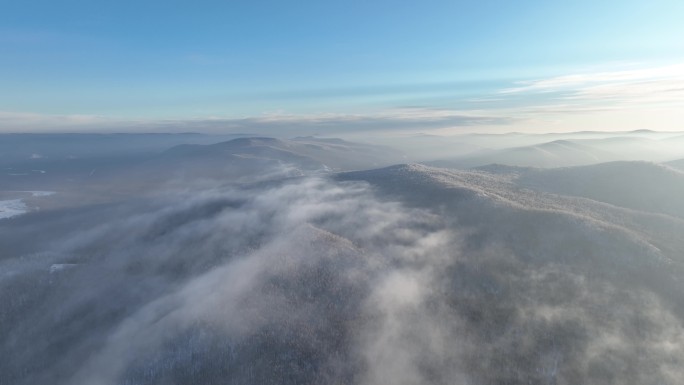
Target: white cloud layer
x,y
271,124
620,99
638,88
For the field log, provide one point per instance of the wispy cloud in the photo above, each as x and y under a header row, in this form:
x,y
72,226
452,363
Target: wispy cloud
x,y
649,97
645,87
624,97
11,121
580,81
276,124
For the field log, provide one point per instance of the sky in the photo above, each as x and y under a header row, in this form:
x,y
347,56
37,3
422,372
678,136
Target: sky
x,y
319,67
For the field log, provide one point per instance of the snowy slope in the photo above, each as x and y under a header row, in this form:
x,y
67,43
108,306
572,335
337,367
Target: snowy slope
x,y
405,275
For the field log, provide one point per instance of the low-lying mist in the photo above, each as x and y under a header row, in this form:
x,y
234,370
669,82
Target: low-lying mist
x,y
275,269
316,281
258,286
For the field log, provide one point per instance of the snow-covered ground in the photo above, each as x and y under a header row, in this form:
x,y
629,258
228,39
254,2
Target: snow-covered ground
x,y
39,193
12,207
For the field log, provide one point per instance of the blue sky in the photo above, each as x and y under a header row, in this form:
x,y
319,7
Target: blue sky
x,y
448,66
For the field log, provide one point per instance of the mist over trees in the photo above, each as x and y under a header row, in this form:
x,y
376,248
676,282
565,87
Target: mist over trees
x,y
323,261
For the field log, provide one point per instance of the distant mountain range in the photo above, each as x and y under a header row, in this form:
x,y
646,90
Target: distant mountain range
x,y
573,152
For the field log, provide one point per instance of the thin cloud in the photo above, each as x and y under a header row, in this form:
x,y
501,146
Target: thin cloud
x,y
633,88
580,81
563,98
651,97
15,121
273,124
